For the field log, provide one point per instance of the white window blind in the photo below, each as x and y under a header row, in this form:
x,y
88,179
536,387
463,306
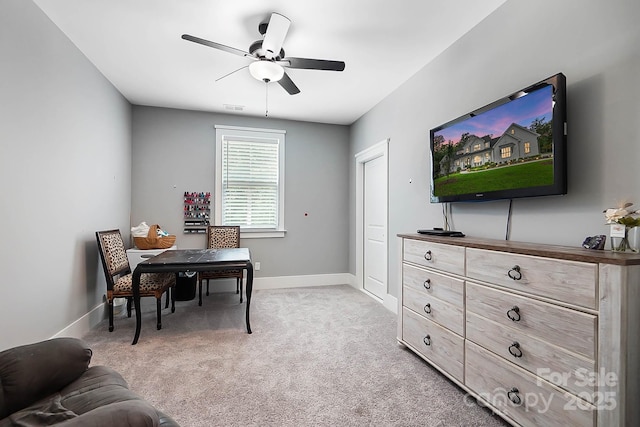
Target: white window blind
x,y
250,183
250,180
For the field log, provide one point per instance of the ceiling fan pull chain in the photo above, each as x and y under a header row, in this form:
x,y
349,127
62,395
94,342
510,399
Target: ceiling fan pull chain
x,y
266,101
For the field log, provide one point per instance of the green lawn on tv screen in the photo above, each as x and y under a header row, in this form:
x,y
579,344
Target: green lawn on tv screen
x,y
529,174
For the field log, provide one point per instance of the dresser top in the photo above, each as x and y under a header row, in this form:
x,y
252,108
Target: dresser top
x,y
536,249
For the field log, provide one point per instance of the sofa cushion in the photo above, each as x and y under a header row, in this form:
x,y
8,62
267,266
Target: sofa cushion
x,y
130,413
99,397
32,372
97,387
50,411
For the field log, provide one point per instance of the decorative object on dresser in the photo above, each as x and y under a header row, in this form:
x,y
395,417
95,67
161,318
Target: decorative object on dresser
x,y
541,334
594,242
622,220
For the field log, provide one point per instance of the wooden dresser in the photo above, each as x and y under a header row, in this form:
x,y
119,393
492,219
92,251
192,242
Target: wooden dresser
x,y
543,335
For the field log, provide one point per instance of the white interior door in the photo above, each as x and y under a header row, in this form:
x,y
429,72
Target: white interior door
x,y
375,226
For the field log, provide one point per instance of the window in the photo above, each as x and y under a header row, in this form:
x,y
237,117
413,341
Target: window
x,y
477,147
505,152
527,147
250,180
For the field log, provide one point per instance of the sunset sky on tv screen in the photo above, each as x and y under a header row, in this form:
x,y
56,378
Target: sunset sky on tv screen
x,y
522,111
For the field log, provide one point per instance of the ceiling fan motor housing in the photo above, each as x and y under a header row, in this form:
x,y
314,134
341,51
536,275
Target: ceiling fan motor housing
x,y
256,50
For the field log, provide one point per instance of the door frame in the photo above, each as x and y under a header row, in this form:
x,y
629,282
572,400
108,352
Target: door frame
x,y
381,149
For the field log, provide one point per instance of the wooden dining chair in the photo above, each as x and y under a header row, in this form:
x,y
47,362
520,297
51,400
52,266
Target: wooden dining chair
x,y
219,237
118,275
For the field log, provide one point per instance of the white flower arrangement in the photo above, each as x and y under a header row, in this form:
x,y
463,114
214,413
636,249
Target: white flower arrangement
x,y
623,215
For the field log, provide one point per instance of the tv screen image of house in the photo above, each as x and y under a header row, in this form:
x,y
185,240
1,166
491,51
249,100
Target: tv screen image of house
x,y
502,150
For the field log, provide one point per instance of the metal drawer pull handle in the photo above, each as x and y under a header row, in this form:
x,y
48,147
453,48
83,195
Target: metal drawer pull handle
x,y
514,349
427,340
427,284
515,273
428,256
513,396
514,313
427,308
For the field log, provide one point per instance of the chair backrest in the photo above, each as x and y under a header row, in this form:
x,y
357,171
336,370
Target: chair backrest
x,y
223,236
113,254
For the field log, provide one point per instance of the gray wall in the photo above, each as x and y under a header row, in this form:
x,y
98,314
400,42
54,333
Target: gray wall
x,y
70,166
174,152
65,169
595,44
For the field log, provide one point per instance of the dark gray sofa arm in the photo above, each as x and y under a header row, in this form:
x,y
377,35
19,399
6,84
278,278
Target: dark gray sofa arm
x,y
31,372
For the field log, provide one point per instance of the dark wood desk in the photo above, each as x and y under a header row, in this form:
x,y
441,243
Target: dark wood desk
x,y
192,260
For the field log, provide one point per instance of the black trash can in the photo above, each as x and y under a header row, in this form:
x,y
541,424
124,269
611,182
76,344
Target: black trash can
x,y
186,286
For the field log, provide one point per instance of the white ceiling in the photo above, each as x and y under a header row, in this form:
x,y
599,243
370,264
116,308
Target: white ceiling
x,y
137,45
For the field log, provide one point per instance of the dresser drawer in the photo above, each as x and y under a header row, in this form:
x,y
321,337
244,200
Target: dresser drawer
x,y
435,255
567,281
445,288
440,346
541,404
570,329
557,365
443,313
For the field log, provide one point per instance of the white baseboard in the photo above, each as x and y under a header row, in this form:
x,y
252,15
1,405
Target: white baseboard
x,y
391,303
281,282
84,324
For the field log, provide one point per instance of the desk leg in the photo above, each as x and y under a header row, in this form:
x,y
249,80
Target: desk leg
x,y
249,290
135,284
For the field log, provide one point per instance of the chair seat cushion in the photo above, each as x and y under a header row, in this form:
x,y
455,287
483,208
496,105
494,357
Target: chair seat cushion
x,y
149,282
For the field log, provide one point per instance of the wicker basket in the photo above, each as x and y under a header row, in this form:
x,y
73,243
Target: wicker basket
x,y
152,241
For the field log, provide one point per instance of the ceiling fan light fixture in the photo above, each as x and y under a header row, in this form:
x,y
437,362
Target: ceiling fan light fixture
x,y
266,71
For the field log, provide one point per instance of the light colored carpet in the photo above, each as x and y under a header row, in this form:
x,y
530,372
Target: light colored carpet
x,y
321,356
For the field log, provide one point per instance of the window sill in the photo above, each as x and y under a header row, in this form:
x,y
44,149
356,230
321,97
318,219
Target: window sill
x,y
257,234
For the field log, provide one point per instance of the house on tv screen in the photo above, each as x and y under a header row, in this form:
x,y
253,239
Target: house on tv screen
x,y
516,143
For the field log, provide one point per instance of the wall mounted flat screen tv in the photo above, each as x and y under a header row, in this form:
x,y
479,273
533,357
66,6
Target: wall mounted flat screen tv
x,y
513,147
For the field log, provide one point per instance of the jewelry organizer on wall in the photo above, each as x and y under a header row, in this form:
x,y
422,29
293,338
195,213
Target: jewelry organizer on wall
x,y
197,211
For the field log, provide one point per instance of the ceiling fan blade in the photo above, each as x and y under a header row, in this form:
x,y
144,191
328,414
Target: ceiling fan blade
x,y
228,74
276,32
314,64
215,45
288,85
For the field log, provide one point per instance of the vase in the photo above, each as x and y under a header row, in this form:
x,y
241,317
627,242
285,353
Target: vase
x,y
621,243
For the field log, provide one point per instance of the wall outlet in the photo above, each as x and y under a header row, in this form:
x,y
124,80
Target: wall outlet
x,y
256,266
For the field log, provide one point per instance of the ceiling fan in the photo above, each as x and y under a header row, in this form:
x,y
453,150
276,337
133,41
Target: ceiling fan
x,y
268,56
